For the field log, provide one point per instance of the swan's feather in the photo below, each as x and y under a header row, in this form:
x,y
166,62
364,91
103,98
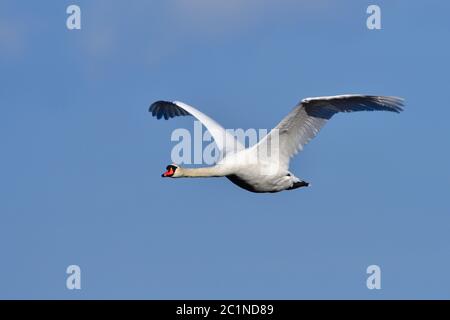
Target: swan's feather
x,y
226,142
167,110
304,122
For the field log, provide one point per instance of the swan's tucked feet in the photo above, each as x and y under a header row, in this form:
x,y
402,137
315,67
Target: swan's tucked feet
x,y
299,184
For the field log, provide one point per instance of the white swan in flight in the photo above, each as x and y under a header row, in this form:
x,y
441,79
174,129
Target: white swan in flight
x,y
258,171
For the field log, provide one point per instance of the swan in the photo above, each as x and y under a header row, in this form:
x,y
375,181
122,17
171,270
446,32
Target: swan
x,y
257,171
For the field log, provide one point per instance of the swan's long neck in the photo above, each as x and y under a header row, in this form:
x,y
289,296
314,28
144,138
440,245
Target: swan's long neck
x,y
215,171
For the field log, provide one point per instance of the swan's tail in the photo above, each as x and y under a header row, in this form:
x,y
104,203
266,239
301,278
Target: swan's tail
x,y
299,184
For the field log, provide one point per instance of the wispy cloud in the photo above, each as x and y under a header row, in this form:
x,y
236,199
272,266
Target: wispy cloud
x,y
12,41
203,18
153,32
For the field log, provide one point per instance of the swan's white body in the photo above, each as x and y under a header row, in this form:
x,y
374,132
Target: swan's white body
x,y
253,168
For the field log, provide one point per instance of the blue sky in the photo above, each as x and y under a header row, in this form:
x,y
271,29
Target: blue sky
x,y
81,158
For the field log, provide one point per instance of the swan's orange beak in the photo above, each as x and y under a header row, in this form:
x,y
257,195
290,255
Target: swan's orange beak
x,y
168,173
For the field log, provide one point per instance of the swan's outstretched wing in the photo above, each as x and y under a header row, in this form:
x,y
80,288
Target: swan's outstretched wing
x,y
310,115
225,141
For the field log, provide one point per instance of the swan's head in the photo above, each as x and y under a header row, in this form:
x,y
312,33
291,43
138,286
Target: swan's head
x,y
173,171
